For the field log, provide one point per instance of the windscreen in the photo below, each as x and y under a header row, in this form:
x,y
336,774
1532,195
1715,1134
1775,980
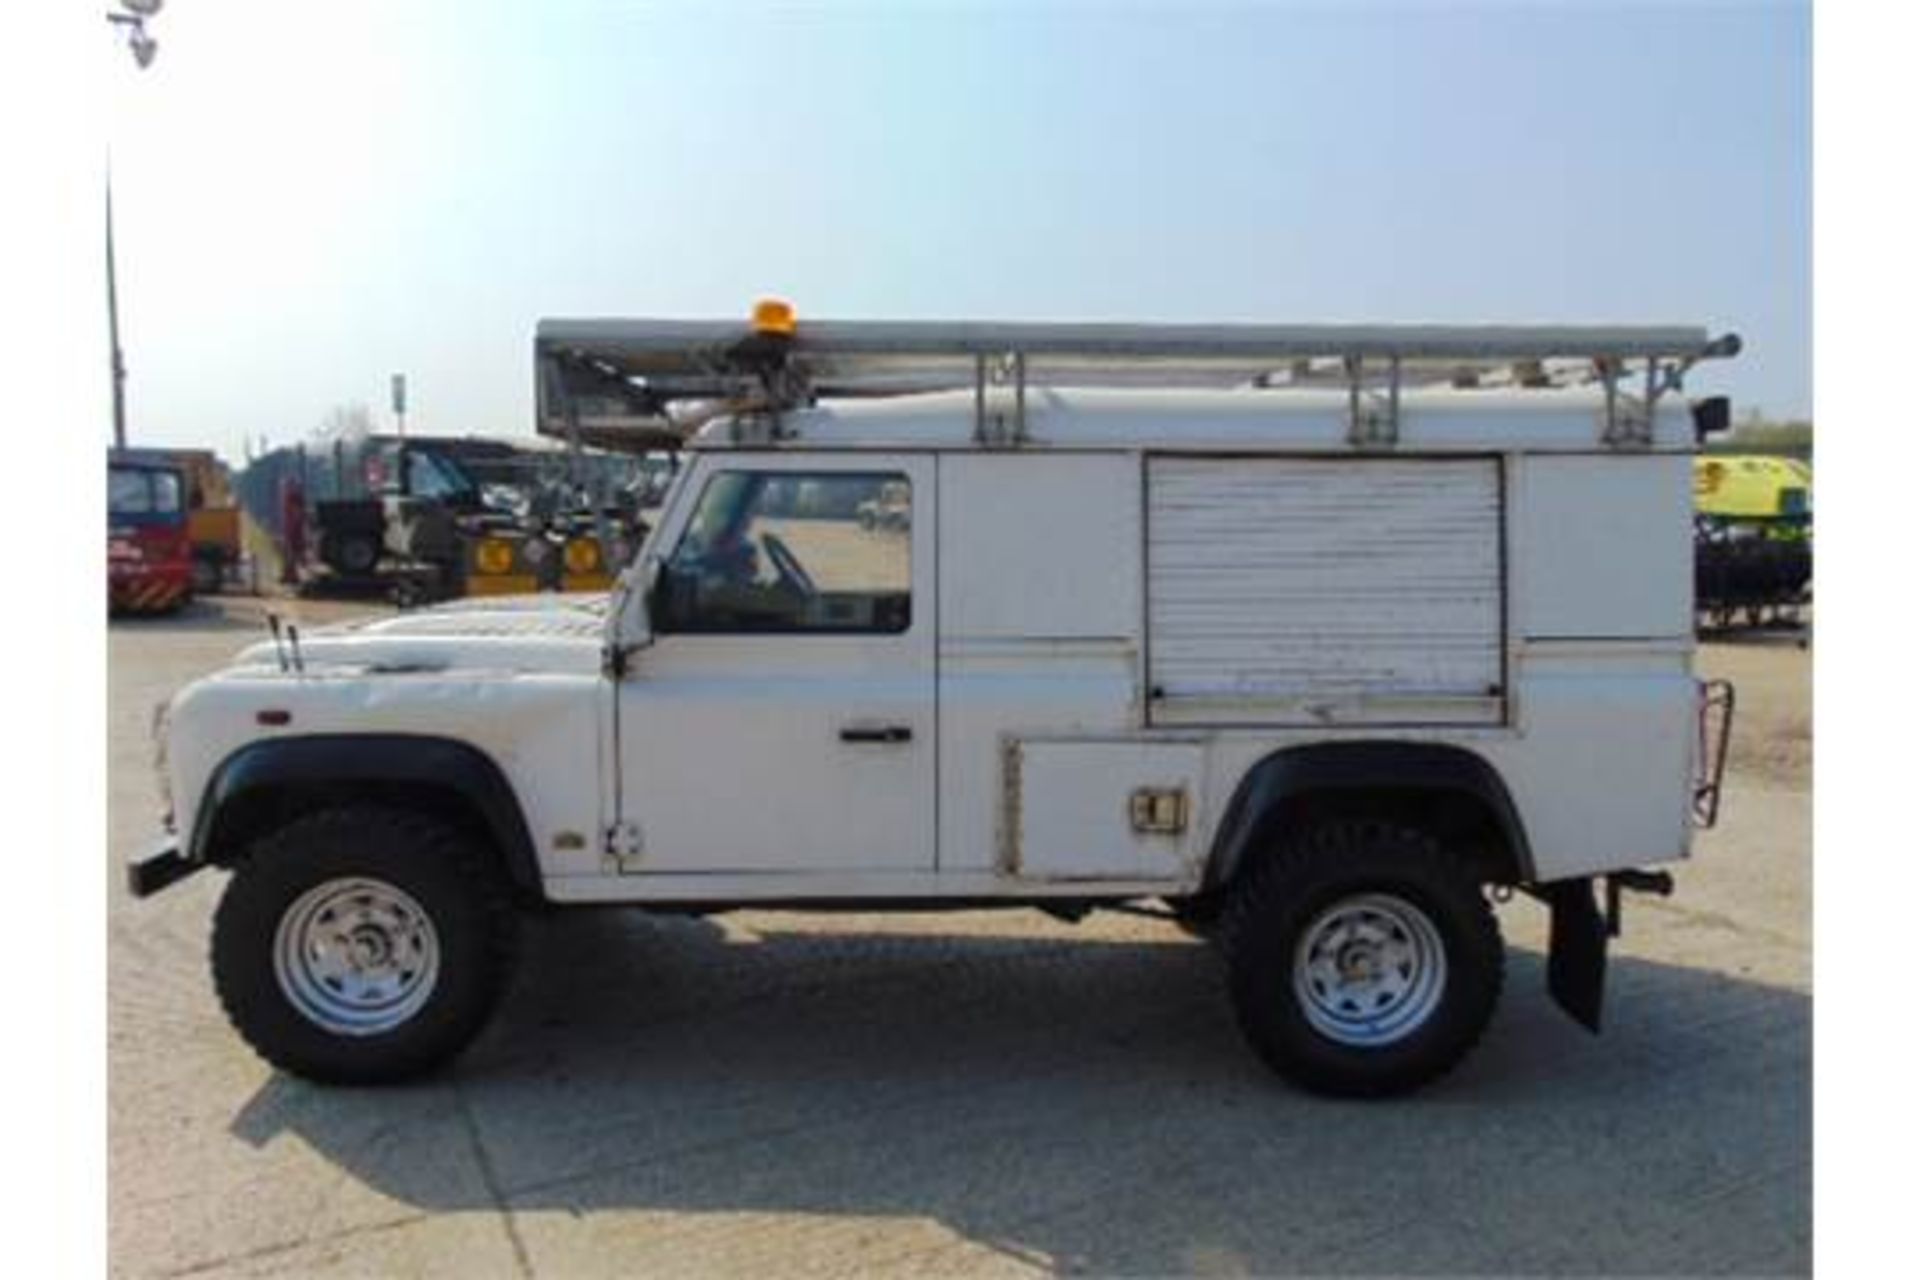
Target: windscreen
x,y
138,491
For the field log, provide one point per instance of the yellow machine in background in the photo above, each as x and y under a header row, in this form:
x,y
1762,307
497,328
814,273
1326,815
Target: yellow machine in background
x,y
438,517
1738,486
583,564
1753,540
514,562
505,563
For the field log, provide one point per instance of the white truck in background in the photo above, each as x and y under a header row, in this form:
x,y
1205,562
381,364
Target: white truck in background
x,y
1316,638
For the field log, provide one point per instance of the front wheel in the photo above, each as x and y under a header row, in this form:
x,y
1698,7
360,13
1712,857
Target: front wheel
x,y
1363,959
362,945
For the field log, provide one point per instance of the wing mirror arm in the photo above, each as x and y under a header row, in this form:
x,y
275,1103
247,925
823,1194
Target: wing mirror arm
x,y
631,626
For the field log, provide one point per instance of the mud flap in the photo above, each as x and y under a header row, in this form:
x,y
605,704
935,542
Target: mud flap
x,y
1576,952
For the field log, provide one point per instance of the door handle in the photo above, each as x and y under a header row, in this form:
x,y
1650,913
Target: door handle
x,y
876,733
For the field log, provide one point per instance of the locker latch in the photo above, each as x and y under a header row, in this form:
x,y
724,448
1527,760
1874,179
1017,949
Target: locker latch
x,y
1160,811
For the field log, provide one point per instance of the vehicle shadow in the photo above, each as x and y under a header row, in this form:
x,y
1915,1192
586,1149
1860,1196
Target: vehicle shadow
x,y
240,613
1782,636
196,615
1084,1103
211,614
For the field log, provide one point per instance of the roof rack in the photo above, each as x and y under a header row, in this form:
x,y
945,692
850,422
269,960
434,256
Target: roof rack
x,y
650,382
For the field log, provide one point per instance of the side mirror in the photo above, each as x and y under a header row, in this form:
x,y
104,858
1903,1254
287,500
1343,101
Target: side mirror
x,y
1711,416
629,622
641,633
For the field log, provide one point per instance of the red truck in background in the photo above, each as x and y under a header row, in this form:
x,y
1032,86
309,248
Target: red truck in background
x,y
149,550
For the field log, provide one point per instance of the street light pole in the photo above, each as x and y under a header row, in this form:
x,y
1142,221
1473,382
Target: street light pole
x,y
134,22
118,365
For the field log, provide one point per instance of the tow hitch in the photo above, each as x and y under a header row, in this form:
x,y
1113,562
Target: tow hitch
x,y
1658,883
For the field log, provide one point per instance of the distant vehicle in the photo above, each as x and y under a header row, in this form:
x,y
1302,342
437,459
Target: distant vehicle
x,y
891,510
1319,674
213,517
149,552
447,516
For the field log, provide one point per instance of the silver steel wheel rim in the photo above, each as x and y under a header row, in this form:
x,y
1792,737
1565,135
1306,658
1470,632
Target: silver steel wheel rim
x,y
356,956
1369,970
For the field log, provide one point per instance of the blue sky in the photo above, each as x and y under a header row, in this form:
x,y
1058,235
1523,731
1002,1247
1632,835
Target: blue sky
x,y
311,197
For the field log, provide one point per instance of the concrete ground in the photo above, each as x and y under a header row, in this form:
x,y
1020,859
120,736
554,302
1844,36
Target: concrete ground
x,y
772,1093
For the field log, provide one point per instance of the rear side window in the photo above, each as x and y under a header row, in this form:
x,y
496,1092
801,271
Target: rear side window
x,y
797,552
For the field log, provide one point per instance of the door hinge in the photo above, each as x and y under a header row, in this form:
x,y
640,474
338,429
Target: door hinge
x,y
624,847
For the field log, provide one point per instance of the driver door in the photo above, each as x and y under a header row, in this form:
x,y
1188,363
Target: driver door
x,y
783,718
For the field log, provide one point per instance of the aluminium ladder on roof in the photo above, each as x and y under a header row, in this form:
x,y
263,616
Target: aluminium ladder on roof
x,y
645,368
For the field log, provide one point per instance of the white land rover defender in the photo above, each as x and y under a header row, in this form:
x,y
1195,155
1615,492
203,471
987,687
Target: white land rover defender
x,y
1315,638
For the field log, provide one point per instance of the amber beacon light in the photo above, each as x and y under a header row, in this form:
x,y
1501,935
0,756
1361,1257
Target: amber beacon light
x,y
773,317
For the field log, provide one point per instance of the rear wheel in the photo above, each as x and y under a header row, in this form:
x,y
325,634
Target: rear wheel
x,y
362,945
1363,959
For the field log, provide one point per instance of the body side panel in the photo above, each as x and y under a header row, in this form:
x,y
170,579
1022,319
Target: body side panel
x,y
1040,617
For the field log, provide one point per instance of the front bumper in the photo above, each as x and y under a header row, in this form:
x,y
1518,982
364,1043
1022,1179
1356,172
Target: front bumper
x,y
161,865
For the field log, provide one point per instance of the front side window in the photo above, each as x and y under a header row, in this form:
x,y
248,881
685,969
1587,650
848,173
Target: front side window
x,y
786,551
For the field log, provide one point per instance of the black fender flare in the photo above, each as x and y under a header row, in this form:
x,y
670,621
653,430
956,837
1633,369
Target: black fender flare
x,y
356,760
1261,799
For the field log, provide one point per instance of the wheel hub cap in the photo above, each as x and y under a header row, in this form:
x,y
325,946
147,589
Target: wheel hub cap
x,y
356,956
1369,970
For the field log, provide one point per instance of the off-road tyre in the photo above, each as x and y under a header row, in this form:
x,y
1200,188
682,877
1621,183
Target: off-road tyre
x,y
454,881
1294,897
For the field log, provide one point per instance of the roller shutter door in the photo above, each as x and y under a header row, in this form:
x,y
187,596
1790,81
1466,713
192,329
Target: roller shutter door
x,y
1324,591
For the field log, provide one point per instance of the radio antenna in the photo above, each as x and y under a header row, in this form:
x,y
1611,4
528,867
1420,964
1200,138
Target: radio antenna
x,y
273,625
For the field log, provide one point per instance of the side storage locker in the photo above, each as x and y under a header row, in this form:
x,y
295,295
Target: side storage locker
x,y
1325,591
1103,810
